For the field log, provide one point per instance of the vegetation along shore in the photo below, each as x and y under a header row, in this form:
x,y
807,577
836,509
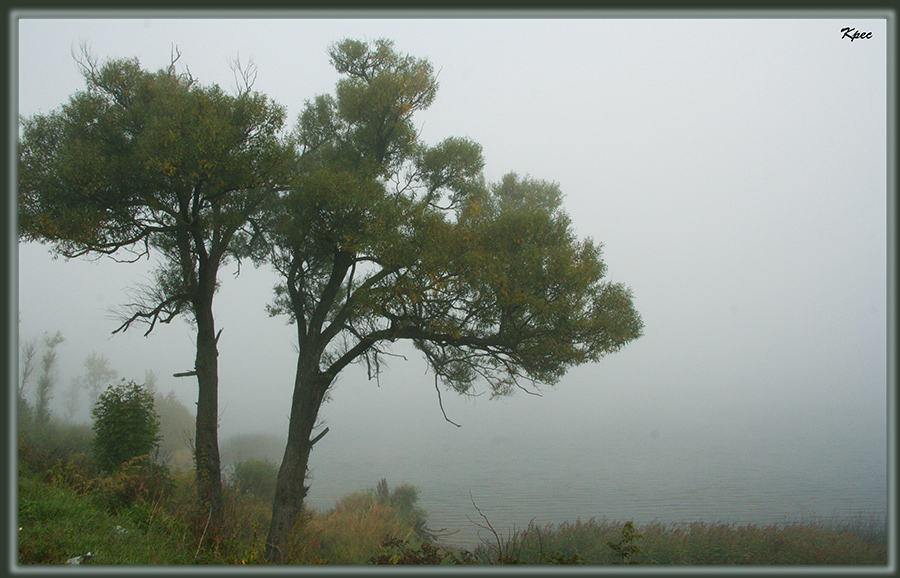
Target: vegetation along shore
x,y
147,513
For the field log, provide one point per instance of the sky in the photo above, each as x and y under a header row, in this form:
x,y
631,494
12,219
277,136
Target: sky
x,y
734,171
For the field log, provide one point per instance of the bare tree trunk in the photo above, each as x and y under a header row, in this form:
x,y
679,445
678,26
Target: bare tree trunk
x,y
309,389
208,467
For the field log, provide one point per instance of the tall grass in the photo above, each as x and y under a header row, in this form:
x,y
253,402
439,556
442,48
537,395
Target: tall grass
x,y
355,529
696,543
145,514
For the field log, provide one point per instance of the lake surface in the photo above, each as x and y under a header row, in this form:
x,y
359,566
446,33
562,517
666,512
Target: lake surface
x,y
644,478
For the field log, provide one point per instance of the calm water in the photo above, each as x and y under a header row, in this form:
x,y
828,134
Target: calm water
x,y
664,478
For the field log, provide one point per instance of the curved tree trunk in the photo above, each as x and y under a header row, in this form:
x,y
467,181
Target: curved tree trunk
x,y
309,390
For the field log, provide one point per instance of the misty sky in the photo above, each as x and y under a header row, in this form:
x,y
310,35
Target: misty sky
x,y
734,171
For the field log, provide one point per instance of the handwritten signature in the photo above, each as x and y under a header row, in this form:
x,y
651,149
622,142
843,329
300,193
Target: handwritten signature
x,y
854,34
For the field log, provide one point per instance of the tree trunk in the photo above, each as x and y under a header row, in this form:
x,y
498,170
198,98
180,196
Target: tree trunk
x,y
208,467
309,389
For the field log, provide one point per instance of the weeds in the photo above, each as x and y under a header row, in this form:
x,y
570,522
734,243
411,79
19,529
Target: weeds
x,y
627,547
401,552
145,514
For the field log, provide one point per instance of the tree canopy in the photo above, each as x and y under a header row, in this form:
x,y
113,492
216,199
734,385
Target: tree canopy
x,y
142,161
381,237
375,235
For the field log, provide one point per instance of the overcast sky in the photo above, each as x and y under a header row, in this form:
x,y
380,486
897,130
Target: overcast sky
x,y
734,171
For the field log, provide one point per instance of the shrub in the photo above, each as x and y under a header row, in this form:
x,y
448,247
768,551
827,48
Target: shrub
x,y
125,425
626,548
401,552
136,481
403,500
256,477
355,530
45,445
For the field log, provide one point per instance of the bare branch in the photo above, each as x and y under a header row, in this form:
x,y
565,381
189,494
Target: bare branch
x,y
441,403
488,527
86,62
313,441
174,56
152,306
244,76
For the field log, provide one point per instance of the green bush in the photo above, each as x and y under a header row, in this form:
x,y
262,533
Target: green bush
x,y
401,552
137,481
256,477
125,425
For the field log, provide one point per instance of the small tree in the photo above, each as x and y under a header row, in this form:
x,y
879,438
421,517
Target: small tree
x,y
26,362
47,380
125,425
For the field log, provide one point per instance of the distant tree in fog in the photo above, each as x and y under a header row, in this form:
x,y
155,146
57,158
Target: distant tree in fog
x,y
176,428
26,362
47,379
97,375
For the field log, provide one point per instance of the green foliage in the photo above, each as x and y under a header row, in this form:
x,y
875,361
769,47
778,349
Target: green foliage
x,y
114,165
125,425
58,521
142,161
627,547
403,499
360,240
256,477
43,445
65,512
361,236
401,552
137,481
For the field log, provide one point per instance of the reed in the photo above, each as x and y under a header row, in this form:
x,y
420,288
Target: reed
x,y
148,515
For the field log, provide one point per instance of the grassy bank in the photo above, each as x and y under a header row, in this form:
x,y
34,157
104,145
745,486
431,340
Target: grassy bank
x,y
145,514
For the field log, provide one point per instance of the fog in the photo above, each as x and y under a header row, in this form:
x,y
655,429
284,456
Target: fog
x,y
734,171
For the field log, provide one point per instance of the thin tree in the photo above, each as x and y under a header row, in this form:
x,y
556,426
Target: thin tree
x,y
47,378
152,161
26,360
382,238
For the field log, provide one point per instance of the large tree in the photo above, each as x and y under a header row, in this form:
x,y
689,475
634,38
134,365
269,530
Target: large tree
x,y
383,238
153,162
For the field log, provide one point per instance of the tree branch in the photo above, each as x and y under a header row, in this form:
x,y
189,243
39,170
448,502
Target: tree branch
x,y
154,315
441,403
342,262
313,441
